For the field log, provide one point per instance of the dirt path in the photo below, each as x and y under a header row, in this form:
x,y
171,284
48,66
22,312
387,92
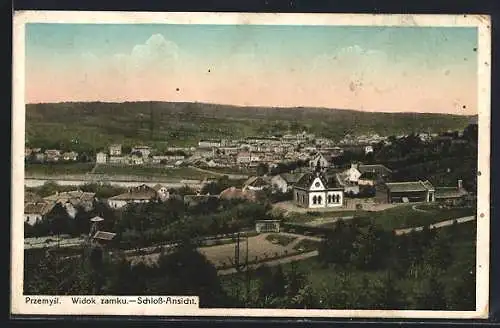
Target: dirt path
x,y
298,257
436,225
415,208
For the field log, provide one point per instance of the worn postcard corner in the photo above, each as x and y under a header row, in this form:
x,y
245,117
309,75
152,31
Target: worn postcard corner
x,y
251,165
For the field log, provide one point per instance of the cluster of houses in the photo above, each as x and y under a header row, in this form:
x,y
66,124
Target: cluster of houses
x,y
50,155
247,152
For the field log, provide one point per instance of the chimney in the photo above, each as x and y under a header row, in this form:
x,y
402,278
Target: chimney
x,y
459,185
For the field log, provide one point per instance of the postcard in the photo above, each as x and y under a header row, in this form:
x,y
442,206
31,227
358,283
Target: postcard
x,y
251,165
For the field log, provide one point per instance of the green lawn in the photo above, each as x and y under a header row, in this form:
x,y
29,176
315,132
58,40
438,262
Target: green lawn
x,y
179,173
406,217
58,168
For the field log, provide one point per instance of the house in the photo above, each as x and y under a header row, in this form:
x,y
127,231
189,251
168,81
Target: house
x,y
380,170
52,155
368,179
314,190
284,182
70,156
243,158
318,161
136,160
255,183
236,193
35,211
118,160
209,143
103,238
263,226
115,150
409,192
140,194
377,172
72,200
451,195
101,158
145,151
162,191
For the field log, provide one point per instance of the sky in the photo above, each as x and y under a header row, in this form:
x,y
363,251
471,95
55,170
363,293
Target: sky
x,y
389,69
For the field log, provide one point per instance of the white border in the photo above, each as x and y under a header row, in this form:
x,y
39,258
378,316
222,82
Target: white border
x,y
482,22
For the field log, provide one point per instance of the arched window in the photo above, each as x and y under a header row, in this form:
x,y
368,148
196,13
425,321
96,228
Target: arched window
x,y
319,199
329,199
337,198
315,199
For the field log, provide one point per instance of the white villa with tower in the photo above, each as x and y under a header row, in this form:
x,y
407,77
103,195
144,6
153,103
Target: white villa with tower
x,y
315,190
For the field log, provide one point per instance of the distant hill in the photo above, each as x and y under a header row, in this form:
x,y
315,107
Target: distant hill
x,y
166,123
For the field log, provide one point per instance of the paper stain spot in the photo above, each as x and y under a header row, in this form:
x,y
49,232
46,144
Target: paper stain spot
x,y
475,49
478,173
482,215
209,70
177,89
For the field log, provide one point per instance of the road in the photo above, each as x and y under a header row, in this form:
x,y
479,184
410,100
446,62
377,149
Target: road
x,y
436,225
229,175
82,180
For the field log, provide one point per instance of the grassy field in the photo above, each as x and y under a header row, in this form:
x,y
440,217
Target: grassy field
x,y
156,171
406,217
394,218
161,124
58,169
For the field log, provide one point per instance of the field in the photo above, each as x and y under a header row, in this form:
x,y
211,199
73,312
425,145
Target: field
x,y
260,248
163,124
58,168
400,217
153,171
406,217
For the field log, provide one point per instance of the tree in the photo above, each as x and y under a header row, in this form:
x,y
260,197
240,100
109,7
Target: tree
x,y
432,297
338,247
389,297
369,249
262,169
438,254
188,272
59,221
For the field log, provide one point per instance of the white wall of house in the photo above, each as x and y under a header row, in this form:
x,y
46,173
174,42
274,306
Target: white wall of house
x,y
31,219
353,175
279,183
301,198
317,185
70,209
334,199
101,158
366,182
317,199
116,203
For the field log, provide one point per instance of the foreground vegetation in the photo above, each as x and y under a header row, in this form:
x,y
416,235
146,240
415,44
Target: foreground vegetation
x,y
363,268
